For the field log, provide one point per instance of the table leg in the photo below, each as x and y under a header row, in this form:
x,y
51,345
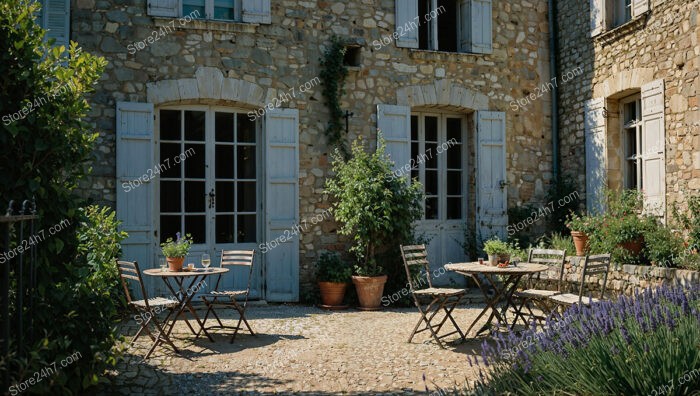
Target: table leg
x,y
181,307
502,293
187,301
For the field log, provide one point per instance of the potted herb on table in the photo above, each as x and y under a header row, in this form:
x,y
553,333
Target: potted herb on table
x,y
376,208
332,275
176,251
498,251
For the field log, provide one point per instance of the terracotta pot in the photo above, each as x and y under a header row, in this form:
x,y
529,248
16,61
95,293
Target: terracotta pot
x,y
502,258
332,293
633,247
369,290
175,263
580,241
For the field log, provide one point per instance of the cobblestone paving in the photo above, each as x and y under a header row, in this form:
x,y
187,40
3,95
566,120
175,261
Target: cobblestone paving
x,y
300,350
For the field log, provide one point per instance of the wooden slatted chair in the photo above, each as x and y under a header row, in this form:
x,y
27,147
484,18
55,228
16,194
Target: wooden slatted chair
x,y
593,265
147,307
440,299
227,298
532,298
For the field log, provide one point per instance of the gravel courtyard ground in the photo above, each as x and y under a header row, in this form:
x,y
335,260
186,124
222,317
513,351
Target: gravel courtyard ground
x,y
301,350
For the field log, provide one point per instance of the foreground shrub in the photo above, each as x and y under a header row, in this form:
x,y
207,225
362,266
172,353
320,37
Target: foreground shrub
x,y
637,345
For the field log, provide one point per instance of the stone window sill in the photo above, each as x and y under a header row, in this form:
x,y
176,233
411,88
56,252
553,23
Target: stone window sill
x,y
442,55
626,28
210,25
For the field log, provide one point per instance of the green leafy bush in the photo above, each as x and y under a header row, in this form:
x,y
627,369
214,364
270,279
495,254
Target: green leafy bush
x,y
47,151
331,268
374,206
558,241
690,221
496,246
632,346
662,246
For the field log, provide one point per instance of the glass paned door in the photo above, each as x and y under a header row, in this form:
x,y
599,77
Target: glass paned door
x,y
211,188
439,159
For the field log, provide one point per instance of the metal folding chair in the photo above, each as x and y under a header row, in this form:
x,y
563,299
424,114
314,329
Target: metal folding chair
x,y
593,265
227,298
440,299
532,298
147,307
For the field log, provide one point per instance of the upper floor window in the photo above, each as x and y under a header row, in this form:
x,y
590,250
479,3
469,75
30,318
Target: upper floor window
x,y
609,14
250,11
444,25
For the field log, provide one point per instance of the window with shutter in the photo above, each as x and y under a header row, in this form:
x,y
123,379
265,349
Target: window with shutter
x,y
444,25
608,14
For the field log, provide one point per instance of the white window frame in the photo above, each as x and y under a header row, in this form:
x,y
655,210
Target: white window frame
x,y
209,11
442,163
635,125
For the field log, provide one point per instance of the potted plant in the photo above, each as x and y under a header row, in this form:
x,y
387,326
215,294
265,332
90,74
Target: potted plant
x,y
581,227
376,208
175,251
498,251
332,275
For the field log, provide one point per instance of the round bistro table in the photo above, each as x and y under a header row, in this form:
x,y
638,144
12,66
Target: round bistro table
x,y
177,280
485,277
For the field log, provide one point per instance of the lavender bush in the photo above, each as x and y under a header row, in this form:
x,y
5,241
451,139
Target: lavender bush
x,y
648,344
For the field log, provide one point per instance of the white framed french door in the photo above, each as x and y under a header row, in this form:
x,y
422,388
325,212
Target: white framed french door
x,y
210,185
439,160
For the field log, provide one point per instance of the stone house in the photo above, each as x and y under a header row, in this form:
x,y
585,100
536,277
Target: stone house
x,y
631,120
192,138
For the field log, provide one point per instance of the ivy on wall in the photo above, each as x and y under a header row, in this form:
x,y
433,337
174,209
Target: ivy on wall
x,y
333,74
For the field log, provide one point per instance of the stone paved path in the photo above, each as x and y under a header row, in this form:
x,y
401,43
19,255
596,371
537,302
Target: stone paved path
x,y
301,350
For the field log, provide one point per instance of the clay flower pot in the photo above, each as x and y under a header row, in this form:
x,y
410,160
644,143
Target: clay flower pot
x,y
580,241
175,263
332,293
634,247
369,290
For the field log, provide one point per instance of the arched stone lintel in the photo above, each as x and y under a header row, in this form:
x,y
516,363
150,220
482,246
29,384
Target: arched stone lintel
x,y
623,81
442,93
209,84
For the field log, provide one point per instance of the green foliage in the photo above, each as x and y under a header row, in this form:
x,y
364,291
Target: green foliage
x,y
45,154
662,246
496,246
333,74
582,223
690,221
558,241
376,208
179,247
634,346
331,268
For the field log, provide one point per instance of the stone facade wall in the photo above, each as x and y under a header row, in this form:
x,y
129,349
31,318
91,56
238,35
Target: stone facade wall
x,y
623,279
270,59
662,44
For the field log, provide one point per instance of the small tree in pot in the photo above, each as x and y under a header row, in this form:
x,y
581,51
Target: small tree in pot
x,y
374,206
332,275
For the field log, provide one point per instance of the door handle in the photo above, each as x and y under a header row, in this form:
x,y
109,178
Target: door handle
x,y
212,198
502,184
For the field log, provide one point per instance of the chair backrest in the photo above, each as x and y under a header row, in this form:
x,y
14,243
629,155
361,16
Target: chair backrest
x,y
550,257
238,258
415,255
130,270
594,265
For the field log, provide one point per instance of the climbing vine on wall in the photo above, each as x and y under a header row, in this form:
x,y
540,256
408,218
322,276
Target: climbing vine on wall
x,y
333,74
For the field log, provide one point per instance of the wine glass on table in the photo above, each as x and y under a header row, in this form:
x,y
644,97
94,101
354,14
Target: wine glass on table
x,y
206,261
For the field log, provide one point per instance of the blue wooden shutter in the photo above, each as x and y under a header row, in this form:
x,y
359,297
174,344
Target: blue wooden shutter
x,y
164,8
407,23
653,148
491,197
134,192
281,205
395,125
639,7
55,18
256,11
594,129
481,26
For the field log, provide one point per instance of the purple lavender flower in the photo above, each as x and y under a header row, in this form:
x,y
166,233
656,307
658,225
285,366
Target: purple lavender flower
x,y
177,237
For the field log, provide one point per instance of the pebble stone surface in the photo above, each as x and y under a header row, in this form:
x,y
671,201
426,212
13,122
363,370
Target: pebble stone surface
x,y
301,350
